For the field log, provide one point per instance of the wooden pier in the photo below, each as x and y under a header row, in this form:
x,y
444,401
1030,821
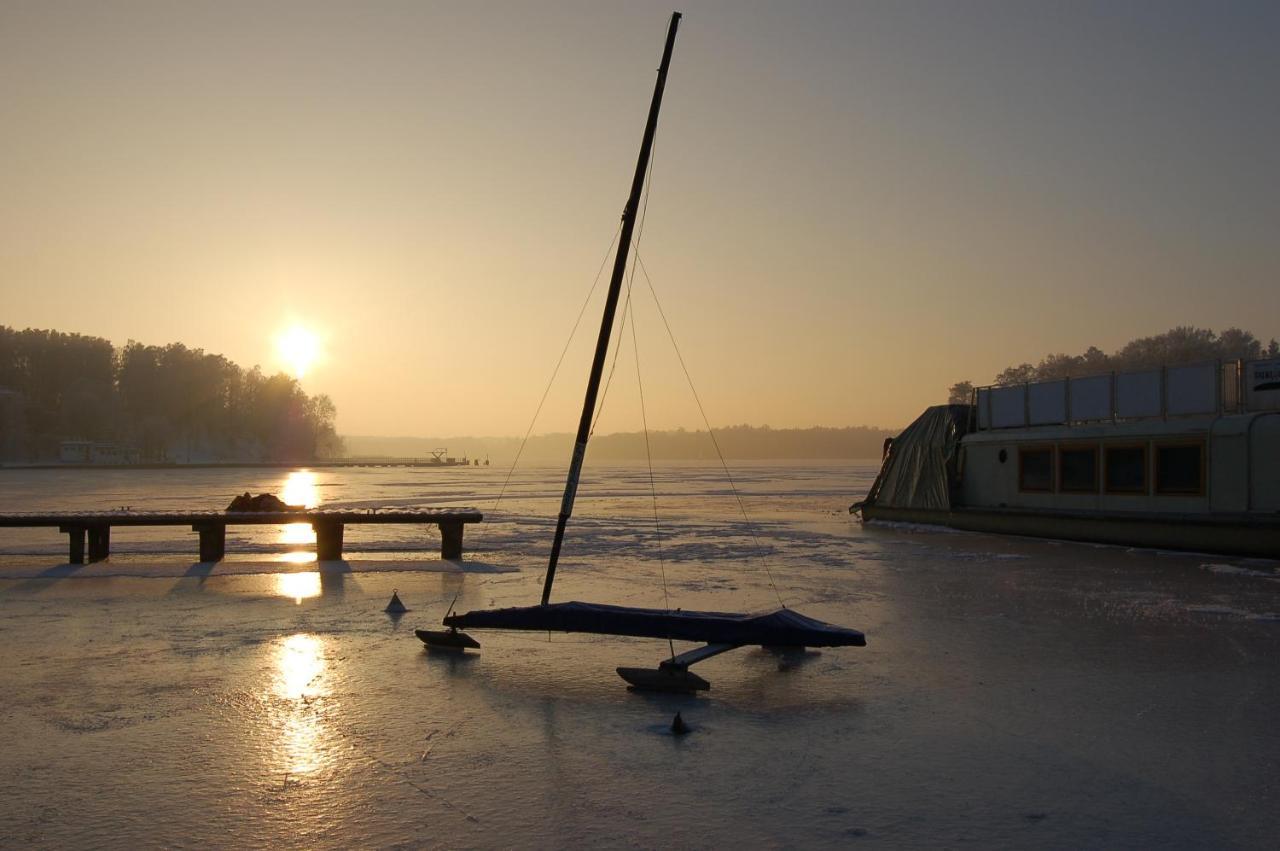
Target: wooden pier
x,y
212,527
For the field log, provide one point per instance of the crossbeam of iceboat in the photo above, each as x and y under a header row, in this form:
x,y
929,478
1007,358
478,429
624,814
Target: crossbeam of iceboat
x,y
784,627
718,631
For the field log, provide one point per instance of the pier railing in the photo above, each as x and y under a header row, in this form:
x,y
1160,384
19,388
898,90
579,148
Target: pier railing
x,y
1201,389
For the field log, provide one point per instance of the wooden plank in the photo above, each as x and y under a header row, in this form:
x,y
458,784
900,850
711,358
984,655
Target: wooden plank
x,y
212,526
451,540
99,542
328,540
75,534
247,518
213,541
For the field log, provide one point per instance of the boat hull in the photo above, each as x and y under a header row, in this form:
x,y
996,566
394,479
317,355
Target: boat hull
x,y
1231,535
446,639
664,678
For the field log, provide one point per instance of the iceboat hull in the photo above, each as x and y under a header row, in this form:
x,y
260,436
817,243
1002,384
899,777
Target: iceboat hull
x,y
451,639
782,627
664,678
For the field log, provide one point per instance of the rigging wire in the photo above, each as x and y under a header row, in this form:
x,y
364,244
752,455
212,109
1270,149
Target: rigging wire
x,y
572,333
644,212
648,457
628,309
751,529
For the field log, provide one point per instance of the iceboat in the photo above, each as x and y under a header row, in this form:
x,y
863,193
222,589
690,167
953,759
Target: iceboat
x,y
718,632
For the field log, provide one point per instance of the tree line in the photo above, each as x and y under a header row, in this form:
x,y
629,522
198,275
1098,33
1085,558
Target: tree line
x,y
165,403
1175,347
740,442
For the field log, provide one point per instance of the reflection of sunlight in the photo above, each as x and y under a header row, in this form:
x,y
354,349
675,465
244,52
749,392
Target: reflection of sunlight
x,y
297,556
301,665
298,533
299,488
299,586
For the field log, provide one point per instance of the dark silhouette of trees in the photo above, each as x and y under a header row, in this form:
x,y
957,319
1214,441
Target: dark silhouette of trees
x,y
170,402
1177,346
961,393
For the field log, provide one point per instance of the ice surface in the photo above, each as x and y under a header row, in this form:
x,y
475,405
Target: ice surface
x,y
1013,693
1240,570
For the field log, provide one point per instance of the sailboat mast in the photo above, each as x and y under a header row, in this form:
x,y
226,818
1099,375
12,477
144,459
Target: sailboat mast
x,y
610,308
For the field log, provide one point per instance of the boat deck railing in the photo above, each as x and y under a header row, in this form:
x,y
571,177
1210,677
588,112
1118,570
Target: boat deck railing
x,y
1201,389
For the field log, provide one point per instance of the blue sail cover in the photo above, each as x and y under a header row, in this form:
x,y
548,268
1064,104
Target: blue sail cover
x,y
784,627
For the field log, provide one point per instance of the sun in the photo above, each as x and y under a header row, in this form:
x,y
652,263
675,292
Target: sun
x,y
298,348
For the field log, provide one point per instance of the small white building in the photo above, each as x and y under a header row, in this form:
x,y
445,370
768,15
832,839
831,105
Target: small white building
x,y
94,452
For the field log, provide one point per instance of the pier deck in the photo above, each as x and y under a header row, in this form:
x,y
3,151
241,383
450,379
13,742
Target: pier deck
x,y
212,526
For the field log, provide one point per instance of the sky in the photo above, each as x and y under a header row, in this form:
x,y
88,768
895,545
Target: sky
x,y
852,206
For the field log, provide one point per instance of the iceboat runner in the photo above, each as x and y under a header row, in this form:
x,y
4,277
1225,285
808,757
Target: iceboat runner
x,y
717,631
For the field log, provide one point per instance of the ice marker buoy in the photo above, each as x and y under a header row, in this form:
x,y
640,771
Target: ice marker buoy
x,y
395,607
678,726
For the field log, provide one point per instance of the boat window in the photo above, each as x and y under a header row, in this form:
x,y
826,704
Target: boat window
x,y
1126,469
1078,469
1035,469
1180,468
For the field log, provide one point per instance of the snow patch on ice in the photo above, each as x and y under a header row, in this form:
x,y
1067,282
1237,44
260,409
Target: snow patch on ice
x,y
1231,611
904,526
1237,570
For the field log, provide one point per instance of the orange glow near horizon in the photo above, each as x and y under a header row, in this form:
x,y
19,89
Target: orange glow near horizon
x,y
852,209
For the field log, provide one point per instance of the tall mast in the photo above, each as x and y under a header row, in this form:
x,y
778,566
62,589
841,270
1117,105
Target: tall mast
x,y
610,308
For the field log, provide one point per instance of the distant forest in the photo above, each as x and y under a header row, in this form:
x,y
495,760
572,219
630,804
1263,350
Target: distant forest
x,y
740,442
1175,347
155,403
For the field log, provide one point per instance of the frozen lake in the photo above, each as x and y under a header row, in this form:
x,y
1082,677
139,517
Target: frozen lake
x,y
1013,693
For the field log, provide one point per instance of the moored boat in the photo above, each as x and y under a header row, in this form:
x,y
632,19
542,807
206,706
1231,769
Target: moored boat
x,y
1184,457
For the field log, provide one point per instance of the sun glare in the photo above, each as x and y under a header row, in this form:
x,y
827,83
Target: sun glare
x,y
298,349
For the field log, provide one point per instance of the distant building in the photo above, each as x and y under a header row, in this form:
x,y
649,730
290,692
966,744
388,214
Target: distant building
x,y
93,452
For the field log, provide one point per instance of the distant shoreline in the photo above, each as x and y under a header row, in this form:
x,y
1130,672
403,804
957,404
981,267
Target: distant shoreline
x,y
405,463
248,465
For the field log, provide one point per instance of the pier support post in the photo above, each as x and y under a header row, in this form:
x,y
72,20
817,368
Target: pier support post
x,y
213,541
328,540
451,540
99,543
76,536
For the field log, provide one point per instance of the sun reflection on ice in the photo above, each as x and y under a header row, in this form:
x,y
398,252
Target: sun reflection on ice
x,y
300,680
299,488
299,586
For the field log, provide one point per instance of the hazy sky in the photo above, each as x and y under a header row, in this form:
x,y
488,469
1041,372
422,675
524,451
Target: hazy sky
x,y
853,206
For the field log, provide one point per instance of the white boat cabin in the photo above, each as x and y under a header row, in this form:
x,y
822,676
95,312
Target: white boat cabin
x,y
1201,439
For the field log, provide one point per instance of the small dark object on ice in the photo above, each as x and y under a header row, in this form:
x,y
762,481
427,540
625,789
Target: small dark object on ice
x,y
262,502
678,726
395,607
